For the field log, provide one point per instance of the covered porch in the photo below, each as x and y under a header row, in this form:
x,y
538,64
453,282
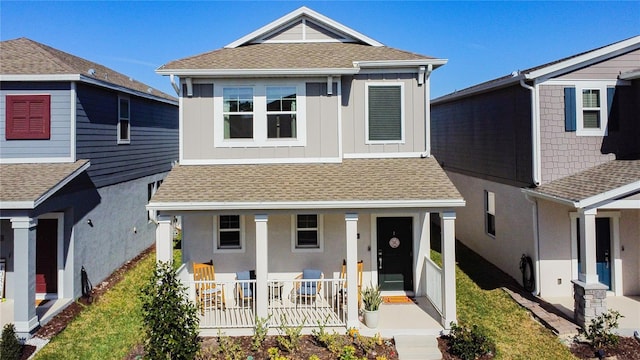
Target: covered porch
x,y
325,214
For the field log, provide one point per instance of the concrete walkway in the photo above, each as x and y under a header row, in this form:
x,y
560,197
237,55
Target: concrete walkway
x,y
417,347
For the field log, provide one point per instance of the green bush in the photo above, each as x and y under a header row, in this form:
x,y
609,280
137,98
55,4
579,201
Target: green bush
x,y
260,330
10,348
600,330
289,338
170,319
469,343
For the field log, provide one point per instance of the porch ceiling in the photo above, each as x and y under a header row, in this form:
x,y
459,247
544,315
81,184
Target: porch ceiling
x,y
408,182
25,186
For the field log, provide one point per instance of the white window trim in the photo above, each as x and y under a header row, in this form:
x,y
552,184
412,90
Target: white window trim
x,y
402,112
120,119
486,214
260,138
216,249
294,235
580,129
155,185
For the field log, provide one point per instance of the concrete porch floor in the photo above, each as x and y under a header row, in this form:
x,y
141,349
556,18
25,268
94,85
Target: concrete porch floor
x,y
45,312
406,319
629,306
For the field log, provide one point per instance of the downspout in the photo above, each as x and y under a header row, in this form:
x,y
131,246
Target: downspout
x,y
535,131
427,110
536,243
176,88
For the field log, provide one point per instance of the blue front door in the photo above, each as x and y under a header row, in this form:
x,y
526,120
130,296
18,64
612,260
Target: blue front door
x,y
603,250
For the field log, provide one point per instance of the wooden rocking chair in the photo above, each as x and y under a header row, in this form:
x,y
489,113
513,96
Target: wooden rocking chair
x,y
209,295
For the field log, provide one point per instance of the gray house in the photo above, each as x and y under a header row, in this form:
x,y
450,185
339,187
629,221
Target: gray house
x,y
82,149
548,160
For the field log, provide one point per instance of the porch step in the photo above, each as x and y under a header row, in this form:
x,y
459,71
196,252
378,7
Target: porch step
x,y
417,347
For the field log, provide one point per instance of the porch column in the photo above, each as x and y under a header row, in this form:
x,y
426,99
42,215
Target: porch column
x,y
164,239
262,266
24,275
352,270
448,245
588,272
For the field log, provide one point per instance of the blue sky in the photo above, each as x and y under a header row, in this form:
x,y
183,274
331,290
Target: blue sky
x,y
482,40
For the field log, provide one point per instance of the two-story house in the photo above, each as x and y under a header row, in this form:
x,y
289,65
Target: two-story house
x,y
302,144
82,149
548,160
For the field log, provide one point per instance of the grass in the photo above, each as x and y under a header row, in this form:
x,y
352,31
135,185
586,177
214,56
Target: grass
x,y
110,327
516,334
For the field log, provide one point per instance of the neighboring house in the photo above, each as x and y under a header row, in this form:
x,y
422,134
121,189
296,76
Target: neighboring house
x,y
302,144
548,160
82,149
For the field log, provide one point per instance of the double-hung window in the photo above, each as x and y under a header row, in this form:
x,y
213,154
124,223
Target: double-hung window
x,y
490,212
124,113
307,232
229,233
587,107
384,112
250,114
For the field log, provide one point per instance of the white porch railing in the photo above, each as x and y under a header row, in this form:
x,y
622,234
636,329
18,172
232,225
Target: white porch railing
x,y
433,277
232,304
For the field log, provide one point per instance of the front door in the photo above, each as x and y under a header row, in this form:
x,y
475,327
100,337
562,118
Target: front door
x,y
395,253
603,250
47,256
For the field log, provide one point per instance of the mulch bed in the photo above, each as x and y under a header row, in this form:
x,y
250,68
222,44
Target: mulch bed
x,y
627,349
445,349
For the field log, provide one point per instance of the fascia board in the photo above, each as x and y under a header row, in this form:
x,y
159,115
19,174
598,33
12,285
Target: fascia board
x,y
39,77
609,195
393,204
257,72
61,184
556,199
295,14
631,75
123,89
399,63
7,205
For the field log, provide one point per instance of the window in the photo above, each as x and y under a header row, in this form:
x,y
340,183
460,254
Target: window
x,y
257,115
229,233
490,212
587,106
307,232
28,117
591,108
124,131
385,113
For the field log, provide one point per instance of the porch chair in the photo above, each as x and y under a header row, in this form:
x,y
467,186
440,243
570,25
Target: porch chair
x,y
208,294
244,287
343,275
308,290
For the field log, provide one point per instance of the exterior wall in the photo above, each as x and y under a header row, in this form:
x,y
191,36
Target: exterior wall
x,y
354,122
296,32
513,220
59,145
154,136
564,153
630,241
486,135
321,120
609,69
555,249
6,253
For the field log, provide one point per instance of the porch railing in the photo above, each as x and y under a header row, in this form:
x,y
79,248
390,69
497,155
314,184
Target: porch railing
x,y
292,302
433,277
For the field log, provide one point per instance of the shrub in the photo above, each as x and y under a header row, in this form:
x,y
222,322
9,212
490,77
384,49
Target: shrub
x,y
469,342
10,347
229,348
260,330
600,330
289,338
349,353
170,319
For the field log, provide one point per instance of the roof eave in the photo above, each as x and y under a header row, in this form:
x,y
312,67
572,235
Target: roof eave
x,y
479,89
61,184
399,63
591,201
256,72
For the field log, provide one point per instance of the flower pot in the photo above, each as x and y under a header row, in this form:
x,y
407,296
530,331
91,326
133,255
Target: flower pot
x,y
371,318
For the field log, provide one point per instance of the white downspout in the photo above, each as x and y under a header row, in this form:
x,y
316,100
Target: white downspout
x,y
535,130
427,112
536,244
176,88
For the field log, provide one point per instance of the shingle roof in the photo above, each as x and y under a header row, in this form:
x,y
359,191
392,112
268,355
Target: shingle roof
x,y
291,56
30,182
594,181
353,180
27,57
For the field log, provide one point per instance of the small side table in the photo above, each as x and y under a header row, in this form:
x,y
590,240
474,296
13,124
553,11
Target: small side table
x,y
275,290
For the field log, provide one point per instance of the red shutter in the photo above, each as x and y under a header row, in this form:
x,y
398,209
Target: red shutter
x,y
28,117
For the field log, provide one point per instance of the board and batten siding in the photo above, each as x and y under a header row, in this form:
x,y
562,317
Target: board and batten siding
x,y
154,136
353,114
486,135
59,144
321,119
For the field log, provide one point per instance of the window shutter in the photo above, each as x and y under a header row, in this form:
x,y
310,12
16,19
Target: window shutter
x,y
569,109
28,117
385,113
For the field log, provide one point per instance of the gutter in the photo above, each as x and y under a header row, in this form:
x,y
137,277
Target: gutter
x,y
536,243
535,130
175,86
427,110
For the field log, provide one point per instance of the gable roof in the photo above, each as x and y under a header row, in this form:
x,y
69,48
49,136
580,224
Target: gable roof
x,y
25,186
342,51
548,70
353,183
27,60
608,181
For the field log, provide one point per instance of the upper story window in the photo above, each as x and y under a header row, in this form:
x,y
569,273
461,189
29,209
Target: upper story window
x,y
384,112
587,106
124,128
229,233
490,212
259,114
28,117
306,233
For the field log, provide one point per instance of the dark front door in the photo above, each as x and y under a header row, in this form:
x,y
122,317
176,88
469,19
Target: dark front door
x,y
395,253
603,250
47,256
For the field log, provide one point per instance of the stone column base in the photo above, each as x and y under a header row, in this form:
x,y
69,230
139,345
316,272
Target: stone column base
x,y
589,301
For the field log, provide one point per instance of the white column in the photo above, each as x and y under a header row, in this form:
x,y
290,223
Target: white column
x,y
588,272
262,265
424,250
24,275
352,270
164,239
448,246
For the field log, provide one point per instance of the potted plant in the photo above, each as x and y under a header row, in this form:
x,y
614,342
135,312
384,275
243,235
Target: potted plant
x,y
371,299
